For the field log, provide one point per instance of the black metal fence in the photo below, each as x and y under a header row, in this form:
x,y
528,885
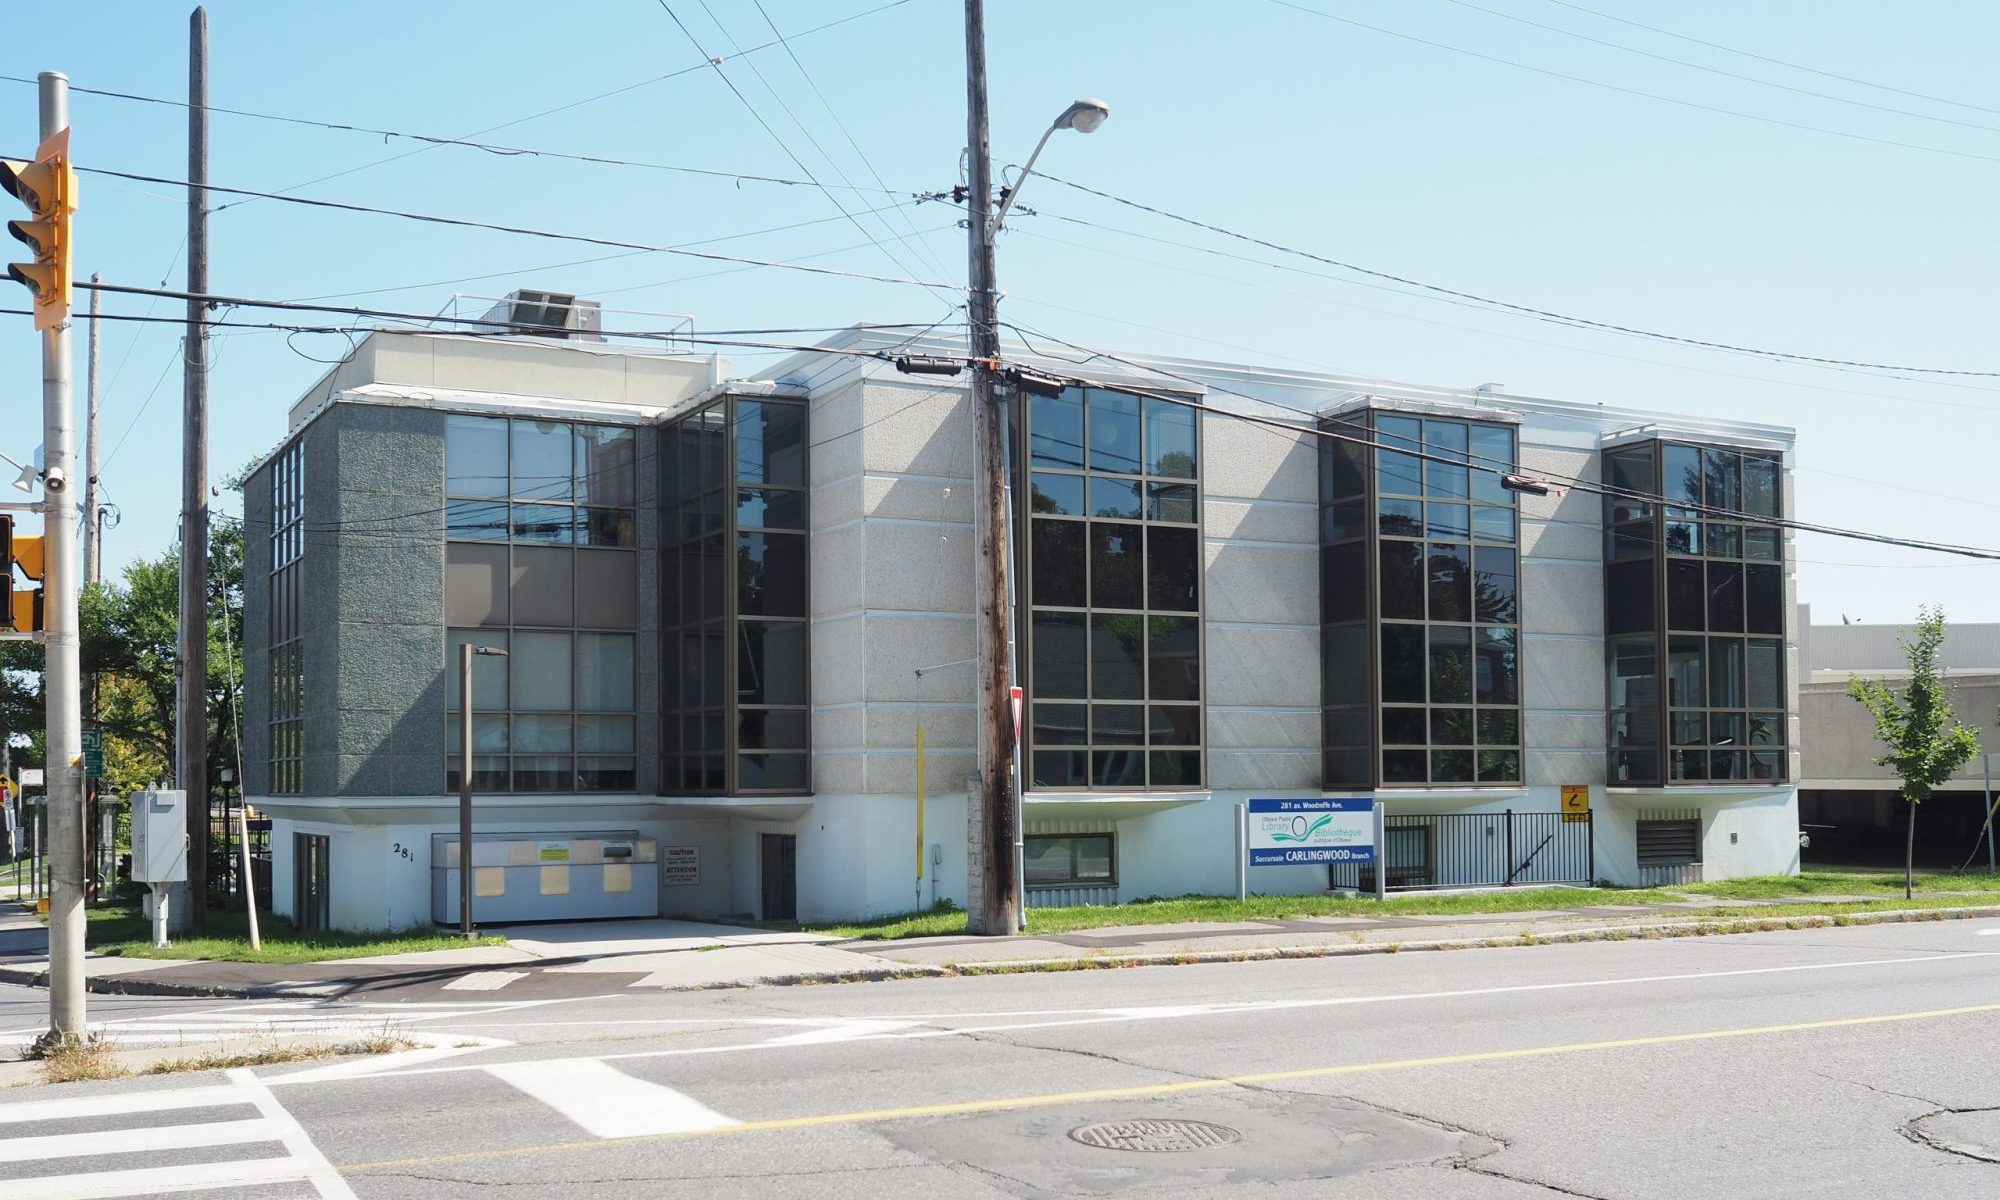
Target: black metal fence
x,y
1493,849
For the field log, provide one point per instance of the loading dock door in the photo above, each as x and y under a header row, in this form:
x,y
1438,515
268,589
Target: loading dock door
x,y
780,876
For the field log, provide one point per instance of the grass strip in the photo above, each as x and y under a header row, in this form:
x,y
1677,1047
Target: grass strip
x,y
122,930
946,921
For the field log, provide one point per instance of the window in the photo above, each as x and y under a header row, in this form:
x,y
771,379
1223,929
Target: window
x,y
734,561
287,697
549,482
1070,860
540,561
1419,602
1113,592
1695,614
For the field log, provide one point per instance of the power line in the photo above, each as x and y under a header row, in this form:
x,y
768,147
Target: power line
x,y
923,249
1780,62
1623,90
665,335
800,125
508,327
1695,66
1524,309
602,258
1401,316
434,141
716,63
143,404
1491,466
523,231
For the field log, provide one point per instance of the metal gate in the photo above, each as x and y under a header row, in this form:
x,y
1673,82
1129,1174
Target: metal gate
x,y
1491,849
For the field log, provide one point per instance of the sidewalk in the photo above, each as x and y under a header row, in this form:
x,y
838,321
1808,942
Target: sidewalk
x,y
687,955
664,953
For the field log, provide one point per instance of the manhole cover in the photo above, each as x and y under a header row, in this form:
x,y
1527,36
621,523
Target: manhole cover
x,y
1156,1135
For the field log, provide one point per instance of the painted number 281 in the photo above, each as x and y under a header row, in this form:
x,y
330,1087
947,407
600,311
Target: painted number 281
x,y
401,851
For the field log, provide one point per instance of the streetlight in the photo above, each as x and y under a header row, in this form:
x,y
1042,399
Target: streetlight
x,y
1084,116
998,843
465,653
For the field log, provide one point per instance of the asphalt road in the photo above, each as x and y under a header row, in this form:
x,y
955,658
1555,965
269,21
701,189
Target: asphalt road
x,y
1856,1062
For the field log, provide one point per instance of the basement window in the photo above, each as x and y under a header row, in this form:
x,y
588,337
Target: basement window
x,y
1071,860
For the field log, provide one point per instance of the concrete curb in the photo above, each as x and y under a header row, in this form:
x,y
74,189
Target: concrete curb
x,y
335,988
1599,933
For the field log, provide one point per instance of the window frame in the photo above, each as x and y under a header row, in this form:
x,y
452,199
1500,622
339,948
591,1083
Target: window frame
x,y
1371,617
730,530
574,501
1073,880
579,762
1700,550
1022,476
286,647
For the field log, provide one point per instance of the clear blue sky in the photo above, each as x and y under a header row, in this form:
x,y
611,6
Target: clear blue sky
x,y
1350,142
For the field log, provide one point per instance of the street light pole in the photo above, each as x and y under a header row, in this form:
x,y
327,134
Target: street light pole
x,y
995,905
995,876
465,655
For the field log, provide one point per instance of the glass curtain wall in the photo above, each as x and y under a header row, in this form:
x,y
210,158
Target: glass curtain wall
x,y
287,697
1113,592
736,690
1694,614
541,561
1419,602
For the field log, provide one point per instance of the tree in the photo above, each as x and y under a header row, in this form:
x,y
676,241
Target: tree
x,y
1924,740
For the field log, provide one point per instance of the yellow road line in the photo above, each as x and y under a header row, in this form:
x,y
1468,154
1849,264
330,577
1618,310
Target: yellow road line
x,y
1140,1091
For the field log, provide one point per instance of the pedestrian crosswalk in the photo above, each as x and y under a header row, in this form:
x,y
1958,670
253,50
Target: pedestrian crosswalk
x,y
327,1022
141,1143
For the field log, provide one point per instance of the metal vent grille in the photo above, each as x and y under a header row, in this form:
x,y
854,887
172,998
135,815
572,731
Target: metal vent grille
x,y
1669,843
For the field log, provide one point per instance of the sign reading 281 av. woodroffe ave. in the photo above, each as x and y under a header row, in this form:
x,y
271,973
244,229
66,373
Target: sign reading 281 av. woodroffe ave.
x,y
1291,832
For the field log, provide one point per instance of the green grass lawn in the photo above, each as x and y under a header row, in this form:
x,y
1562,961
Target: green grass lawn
x,y
1977,889
124,931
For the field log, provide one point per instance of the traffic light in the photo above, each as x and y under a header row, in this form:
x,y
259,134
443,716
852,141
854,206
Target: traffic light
x,y
23,609
48,187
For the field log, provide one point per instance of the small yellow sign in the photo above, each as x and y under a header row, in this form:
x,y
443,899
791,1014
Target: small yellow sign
x,y
552,852
1575,802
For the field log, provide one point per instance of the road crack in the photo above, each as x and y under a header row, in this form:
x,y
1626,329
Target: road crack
x,y
1882,1091
1912,1130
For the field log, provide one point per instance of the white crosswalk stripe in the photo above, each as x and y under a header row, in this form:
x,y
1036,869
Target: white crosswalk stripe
x,y
314,1020
484,981
606,1102
276,1149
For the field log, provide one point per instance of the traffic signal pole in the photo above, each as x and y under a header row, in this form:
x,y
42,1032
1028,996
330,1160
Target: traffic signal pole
x,y
62,682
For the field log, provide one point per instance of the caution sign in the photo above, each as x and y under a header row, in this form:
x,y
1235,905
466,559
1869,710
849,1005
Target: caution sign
x,y
1575,803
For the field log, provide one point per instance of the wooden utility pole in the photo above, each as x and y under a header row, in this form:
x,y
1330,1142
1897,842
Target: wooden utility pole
x,y
995,902
192,720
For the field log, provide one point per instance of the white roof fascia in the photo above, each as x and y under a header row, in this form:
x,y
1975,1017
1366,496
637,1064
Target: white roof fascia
x,y
1288,391
732,387
500,403
1674,431
1426,408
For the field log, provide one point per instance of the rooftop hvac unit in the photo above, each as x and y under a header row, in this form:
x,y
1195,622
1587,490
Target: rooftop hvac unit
x,y
550,314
